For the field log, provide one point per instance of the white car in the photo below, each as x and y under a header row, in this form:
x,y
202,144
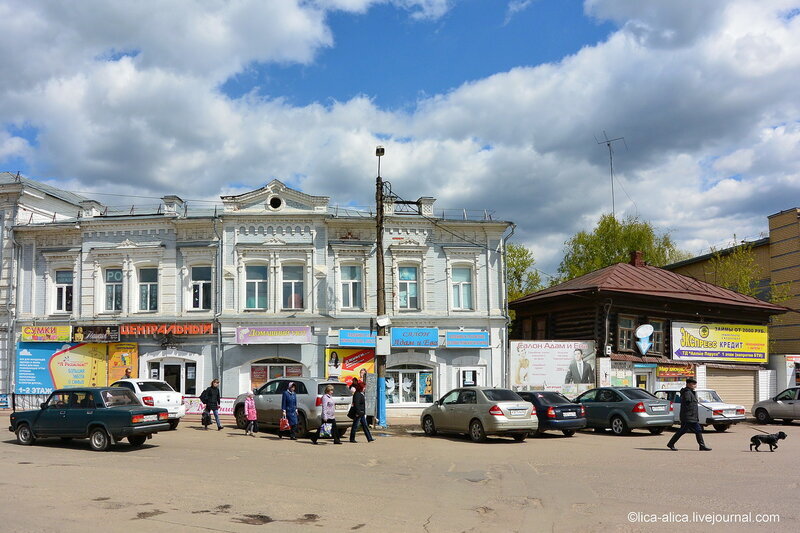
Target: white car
x,y
156,393
711,409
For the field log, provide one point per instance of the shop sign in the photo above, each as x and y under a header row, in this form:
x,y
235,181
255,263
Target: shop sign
x,y
357,337
346,364
564,366
415,337
674,371
167,329
195,407
644,365
273,335
44,367
466,339
95,334
719,342
46,334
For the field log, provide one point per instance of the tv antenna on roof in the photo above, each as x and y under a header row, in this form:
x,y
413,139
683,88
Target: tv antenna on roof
x,y
608,143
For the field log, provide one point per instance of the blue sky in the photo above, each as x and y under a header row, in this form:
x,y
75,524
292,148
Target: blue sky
x,y
394,60
481,104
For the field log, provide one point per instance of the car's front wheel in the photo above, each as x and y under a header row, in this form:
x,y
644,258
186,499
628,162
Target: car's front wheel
x,y
137,440
98,439
762,416
656,431
722,428
476,431
25,435
618,426
428,426
173,424
241,421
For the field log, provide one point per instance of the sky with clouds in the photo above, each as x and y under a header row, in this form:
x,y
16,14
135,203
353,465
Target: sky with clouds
x,y
482,104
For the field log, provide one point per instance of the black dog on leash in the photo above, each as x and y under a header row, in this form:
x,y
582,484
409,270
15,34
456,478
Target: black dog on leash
x,y
771,440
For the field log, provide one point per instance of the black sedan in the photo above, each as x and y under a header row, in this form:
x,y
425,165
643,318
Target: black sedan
x,y
556,412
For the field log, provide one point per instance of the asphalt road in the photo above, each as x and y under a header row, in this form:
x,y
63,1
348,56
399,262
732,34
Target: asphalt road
x,y
195,480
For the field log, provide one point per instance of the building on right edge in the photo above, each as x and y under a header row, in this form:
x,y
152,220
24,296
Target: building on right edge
x,y
777,257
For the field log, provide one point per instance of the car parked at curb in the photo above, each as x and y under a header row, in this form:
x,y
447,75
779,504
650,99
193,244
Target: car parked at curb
x,y
104,415
711,410
480,411
625,408
156,393
784,406
309,393
555,412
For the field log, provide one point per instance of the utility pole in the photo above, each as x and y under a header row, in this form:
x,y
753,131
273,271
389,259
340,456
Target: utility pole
x,y
380,358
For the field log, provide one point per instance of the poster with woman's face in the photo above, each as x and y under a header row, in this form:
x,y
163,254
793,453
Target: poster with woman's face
x,y
345,364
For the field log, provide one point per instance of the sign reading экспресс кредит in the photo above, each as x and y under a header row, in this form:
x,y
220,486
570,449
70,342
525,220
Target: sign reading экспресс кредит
x,y
742,343
416,337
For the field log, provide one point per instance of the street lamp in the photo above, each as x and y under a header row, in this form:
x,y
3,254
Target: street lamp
x,y
380,356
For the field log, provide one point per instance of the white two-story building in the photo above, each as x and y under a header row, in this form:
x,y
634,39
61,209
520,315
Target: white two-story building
x,y
275,282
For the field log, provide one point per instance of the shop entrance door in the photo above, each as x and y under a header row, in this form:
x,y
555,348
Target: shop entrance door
x,y
470,377
172,375
642,381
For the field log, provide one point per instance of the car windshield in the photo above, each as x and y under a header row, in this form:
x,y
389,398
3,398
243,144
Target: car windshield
x,y
154,386
119,397
502,395
708,396
637,394
551,398
339,389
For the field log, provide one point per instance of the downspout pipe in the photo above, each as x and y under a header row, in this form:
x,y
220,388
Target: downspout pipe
x,y
13,283
218,297
506,362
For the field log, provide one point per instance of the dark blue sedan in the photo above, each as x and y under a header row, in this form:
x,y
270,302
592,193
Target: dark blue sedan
x,y
556,412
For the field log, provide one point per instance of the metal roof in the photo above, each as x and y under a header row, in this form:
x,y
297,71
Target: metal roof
x,y
646,280
7,178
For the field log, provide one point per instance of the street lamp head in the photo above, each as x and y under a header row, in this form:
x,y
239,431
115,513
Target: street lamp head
x,y
379,151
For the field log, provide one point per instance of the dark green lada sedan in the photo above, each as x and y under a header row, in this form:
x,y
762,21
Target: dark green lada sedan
x,y
104,415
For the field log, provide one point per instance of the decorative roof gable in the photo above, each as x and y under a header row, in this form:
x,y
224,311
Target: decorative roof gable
x,y
275,197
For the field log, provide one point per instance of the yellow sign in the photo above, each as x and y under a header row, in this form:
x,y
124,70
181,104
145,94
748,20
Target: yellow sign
x,y
344,364
79,365
740,343
122,355
46,334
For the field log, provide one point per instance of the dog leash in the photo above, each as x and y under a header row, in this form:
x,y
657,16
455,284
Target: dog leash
x,y
761,430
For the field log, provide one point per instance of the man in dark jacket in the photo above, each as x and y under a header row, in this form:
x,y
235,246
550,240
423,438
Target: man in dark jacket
x,y
211,398
690,420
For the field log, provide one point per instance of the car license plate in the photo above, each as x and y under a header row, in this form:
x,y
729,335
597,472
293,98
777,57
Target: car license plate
x,y
517,412
570,414
150,418
659,408
729,412
342,407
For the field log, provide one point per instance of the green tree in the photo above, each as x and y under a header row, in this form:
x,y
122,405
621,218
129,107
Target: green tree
x,y
612,241
737,269
522,278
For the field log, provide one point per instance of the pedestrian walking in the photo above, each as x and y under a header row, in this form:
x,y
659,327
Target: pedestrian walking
x,y
328,416
358,412
250,413
211,398
354,385
289,410
690,421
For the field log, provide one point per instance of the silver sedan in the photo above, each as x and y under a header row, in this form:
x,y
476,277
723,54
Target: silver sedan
x,y
480,411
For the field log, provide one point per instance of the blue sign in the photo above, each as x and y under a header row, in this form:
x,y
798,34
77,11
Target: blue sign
x,y
466,339
415,337
357,337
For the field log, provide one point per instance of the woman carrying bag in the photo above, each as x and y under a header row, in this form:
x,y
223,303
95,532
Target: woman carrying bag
x,y
358,413
328,416
289,415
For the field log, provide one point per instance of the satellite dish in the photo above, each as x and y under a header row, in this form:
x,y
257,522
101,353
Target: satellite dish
x,y
643,331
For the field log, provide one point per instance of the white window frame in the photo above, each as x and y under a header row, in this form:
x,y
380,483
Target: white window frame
x,y
245,281
416,282
106,285
200,283
460,284
401,372
348,286
293,283
140,283
61,300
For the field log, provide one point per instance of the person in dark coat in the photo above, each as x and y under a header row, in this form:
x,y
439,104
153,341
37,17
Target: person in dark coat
x,y
690,419
211,398
289,410
359,411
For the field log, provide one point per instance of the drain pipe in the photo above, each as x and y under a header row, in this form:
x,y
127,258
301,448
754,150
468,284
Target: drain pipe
x,y
218,299
505,360
11,307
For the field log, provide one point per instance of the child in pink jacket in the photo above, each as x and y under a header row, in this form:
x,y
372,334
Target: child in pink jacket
x,y
250,413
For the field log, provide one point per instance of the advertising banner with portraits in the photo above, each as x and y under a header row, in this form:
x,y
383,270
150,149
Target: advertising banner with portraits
x,y
344,364
563,366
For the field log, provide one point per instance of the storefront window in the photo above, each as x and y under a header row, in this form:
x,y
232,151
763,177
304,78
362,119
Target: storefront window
x,y
409,385
267,369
